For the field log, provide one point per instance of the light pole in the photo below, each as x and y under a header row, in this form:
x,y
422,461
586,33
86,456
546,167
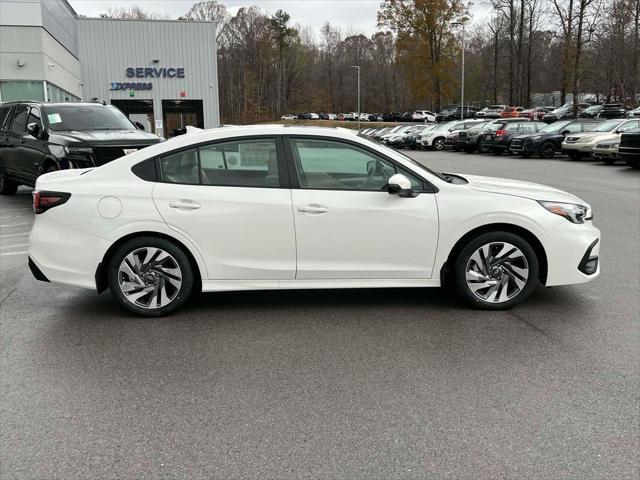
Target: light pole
x,y
357,67
461,24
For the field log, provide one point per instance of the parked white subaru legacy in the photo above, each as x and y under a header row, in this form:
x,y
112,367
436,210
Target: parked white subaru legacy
x,y
275,207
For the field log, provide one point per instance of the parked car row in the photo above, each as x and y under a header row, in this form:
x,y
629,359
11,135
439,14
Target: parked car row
x,y
577,138
412,116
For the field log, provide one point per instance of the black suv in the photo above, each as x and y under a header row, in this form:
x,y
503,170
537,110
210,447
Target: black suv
x,y
497,138
629,149
37,138
470,140
548,140
612,110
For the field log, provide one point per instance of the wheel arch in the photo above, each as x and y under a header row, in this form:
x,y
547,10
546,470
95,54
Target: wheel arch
x,y
102,281
526,234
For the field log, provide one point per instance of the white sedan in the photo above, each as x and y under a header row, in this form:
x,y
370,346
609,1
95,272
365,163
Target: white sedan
x,y
277,207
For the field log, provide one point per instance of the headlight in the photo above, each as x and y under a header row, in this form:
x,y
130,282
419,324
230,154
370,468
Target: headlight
x,y
58,151
78,149
573,212
615,146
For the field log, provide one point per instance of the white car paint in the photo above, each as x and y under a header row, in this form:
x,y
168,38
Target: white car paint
x,y
424,115
245,238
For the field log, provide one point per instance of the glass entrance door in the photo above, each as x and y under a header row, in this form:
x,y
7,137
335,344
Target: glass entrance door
x,y
138,111
178,114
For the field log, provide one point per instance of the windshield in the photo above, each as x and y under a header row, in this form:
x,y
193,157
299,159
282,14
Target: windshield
x,y
607,126
495,107
593,108
554,127
86,117
479,125
559,110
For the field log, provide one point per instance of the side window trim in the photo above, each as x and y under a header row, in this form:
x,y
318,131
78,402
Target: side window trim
x,y
280,158
427,187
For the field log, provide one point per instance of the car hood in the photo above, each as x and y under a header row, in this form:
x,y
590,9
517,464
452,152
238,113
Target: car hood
x,y
107,137
520,188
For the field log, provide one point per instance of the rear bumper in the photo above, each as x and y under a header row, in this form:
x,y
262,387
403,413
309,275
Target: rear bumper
x,y
61,254
37,273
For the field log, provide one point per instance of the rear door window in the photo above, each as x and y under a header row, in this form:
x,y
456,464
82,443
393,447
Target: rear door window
x,y
19,121
5,117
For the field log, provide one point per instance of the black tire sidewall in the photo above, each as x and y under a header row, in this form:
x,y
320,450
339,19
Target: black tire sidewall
x,y
545,155
166,245
460,264
7,186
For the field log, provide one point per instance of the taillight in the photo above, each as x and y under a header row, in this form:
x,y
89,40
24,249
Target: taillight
x,y
43,200
499,133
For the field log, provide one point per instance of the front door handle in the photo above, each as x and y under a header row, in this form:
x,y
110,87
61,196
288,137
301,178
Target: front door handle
x,y
184,204
313,208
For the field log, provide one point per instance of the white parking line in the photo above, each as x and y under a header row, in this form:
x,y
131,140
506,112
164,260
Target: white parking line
x,y
15,225
24,252
14,235
6,247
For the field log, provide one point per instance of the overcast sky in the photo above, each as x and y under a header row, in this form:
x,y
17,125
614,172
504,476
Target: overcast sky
x,y
350,15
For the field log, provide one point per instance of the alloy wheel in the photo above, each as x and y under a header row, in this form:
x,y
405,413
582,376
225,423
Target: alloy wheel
x,y
497,272
149,277
438,144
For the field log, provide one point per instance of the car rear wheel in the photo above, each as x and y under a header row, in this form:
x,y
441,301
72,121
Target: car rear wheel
x,y
7,186
150,276
496,271
548,150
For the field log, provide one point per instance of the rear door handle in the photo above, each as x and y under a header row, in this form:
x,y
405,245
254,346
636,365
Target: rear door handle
x,y
313,208
184,204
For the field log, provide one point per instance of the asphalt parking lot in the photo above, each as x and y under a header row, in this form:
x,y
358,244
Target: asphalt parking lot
x,y
332,384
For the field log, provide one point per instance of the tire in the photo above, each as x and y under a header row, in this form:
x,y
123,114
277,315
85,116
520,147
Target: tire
x,y
7,186
482,149
438,144
171,275
508,282
548,150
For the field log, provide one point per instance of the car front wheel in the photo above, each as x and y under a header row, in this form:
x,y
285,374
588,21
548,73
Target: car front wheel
x,y
150,276
496,271
7,186
438,144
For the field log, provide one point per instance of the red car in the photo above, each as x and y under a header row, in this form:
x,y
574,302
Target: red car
x,y
511,112
534,113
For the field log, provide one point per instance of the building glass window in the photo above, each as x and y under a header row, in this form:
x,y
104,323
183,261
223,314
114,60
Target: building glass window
x,y
16,91
58,95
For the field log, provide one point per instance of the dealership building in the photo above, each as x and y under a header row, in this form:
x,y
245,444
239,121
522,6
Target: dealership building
x,y
160,73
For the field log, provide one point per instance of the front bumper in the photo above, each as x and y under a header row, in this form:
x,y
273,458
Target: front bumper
x,y
605,153
577,147
573,253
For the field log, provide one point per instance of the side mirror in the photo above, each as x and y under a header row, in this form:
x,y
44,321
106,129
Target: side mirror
x,y
138,125
564,132
400,185
34,129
